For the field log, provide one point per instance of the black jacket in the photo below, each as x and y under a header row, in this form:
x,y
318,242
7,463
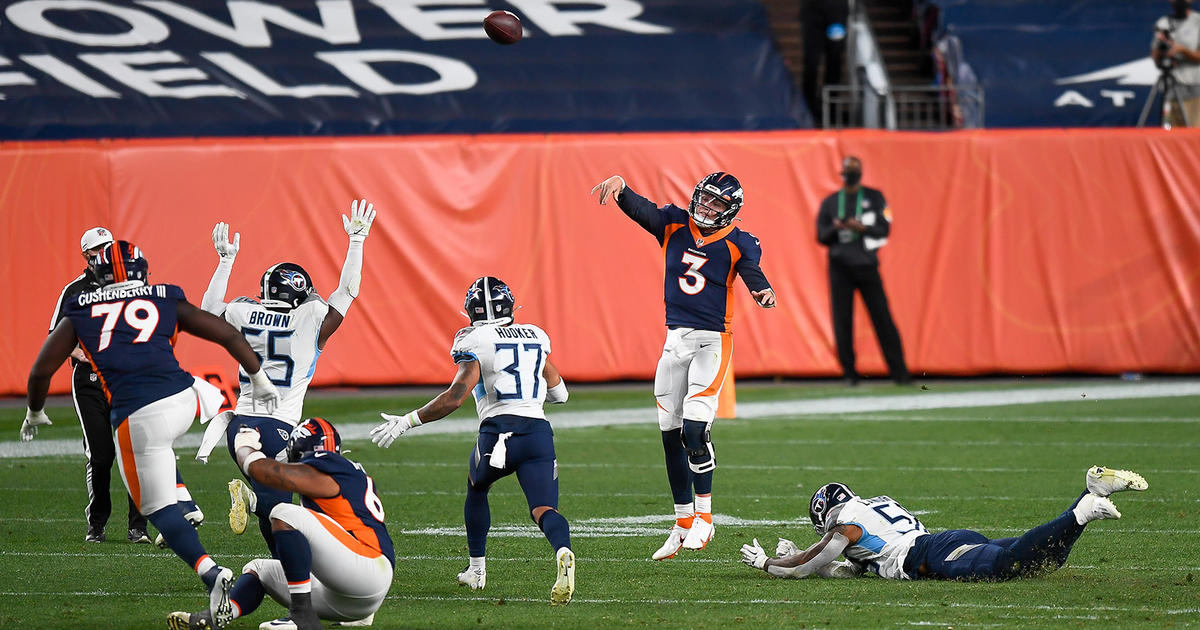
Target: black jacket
x,y
847,247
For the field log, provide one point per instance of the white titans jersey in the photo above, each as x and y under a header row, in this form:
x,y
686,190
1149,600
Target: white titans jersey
x,y
511,359
889,531
286,342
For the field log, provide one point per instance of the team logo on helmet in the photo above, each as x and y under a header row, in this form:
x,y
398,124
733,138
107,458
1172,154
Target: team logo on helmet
x,y
294,278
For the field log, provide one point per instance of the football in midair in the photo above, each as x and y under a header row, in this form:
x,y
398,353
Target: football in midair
x,y
502,27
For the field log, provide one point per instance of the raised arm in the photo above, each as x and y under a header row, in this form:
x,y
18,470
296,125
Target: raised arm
x,y
299,478
441,406
807,562
214,297
212,328
635,206
357,226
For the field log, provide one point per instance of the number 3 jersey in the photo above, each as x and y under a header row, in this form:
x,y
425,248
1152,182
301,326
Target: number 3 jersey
x,y
286,342
698,285
128,334
888,533
511,358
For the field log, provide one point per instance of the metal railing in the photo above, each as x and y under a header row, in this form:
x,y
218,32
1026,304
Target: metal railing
x,y
932,107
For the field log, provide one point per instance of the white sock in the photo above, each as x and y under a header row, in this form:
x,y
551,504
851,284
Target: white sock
x,y
204,565
1081,512
300,587
181,493
479,563
704,503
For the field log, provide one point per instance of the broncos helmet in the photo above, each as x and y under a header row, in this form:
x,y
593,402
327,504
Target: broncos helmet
x,y
489,301
723,186
824,500
314,434
120,261
285,285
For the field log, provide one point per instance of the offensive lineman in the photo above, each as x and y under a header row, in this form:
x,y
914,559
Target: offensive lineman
x,y
510,363
703,253
288,327
880,536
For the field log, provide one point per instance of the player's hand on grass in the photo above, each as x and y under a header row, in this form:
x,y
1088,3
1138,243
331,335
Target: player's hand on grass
x,y
786,548
610,187
226,249
386,432
754,555
33,420
765,298
247,437
358,224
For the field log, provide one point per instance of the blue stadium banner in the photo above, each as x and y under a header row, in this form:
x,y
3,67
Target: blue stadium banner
x,y
109,68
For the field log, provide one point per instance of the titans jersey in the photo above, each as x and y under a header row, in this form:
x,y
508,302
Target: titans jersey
x,y
128,334
888,533
698,284
286,342
357,508
510,359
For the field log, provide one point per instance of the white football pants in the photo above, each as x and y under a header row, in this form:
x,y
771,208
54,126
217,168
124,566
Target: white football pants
x,y
144,452
690,374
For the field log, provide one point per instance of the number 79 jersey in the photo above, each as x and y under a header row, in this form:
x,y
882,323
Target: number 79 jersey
x,y
888,533
511,358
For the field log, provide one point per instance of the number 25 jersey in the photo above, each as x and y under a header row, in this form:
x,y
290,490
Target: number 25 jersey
x,y
510,359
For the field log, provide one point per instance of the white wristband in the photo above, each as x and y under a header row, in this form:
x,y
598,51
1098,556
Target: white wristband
x,y
413,418
558,393
250,459
259,378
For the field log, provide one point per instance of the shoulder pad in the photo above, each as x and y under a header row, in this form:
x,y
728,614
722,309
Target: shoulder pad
x,y
244,300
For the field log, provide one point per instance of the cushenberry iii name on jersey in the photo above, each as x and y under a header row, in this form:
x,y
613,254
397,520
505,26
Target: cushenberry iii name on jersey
x,y
108,293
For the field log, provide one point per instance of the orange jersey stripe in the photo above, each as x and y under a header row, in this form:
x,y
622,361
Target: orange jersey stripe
x,y
351,542
340,510
726,353
96,369
131,476
735,254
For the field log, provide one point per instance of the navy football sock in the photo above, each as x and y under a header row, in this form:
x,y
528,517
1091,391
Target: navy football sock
x,y
1046,546
295,555
179,534
556,529
264,526
702,482
478,519
679,475
247,594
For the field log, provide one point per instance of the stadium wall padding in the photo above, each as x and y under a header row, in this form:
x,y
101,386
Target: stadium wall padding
x,y
1018,251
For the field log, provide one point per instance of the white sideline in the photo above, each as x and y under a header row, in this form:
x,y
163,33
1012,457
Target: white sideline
x,y
749,410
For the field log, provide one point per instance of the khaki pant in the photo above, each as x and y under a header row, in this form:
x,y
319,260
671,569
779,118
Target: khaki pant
x,y
1191,106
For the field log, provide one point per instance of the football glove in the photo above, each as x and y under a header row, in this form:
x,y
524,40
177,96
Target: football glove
x,y
754,555
358,224
264,392
786,548
247,437
385,433
764,298
226,249
33,419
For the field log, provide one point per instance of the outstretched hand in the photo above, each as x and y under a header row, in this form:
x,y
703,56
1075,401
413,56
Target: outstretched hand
x,y
358,224
610,187
226,249
765,298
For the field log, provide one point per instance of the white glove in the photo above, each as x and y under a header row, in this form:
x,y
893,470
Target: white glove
x,y
33,419
358,224
786,548
247,437
226,249
754,555
386,432
264,392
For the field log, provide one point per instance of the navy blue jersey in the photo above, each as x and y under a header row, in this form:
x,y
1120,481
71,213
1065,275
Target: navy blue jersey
x,y
357,509
129,336
698,283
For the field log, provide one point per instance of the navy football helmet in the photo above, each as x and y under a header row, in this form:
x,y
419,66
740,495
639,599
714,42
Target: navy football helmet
x,y
314,434
285,285
724,187
824,500
489,301
121,261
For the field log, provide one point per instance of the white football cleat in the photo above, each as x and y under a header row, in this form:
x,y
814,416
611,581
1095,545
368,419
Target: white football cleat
x,y
564,584
365,621
1103,481
242,503
282,623
475,578
1096,508
698,536
671,547
219,604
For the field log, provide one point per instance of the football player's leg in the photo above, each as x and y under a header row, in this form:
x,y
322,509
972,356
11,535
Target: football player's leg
x,y
1047,546
706,375
962,554
537,472
274,435
670,386
295,555
477,514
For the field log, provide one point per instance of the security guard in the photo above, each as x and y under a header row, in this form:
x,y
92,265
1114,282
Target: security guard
x,y
854,223
92,406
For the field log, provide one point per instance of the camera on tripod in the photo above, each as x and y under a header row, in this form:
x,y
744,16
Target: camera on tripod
x,y
1161,45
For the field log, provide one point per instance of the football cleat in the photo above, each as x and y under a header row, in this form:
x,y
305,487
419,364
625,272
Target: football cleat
x,y
242,503
564,584
138,535
698,536
475,578
365,621
219,604
671,547
1103,481
282,623
190,621
1096,508
94,534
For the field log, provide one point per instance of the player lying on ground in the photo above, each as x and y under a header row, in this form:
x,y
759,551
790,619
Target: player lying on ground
x,y
335,557
288,326
127,328
880,536
508,367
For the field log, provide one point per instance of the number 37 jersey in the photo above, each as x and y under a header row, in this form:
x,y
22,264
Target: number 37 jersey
x,y
888,533
510,360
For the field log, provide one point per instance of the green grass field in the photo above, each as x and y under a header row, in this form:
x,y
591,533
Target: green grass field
x,y
999,470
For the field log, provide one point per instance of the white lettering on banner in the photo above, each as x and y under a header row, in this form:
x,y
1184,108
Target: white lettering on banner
x,y
69,76
144,29
356,65
1118,97
1071,97
250,21
428,25
13,78
615,14
251,76
121,66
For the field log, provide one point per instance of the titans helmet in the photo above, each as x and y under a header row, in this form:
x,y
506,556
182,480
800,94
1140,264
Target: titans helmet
x,y
723,186
121,261
314,434
285,285
489,302
824,500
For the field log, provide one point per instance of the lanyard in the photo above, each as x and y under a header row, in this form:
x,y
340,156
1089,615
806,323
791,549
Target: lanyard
x,y
858,202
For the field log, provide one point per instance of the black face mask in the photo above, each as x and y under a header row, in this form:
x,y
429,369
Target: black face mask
x,y
851,178
1180,7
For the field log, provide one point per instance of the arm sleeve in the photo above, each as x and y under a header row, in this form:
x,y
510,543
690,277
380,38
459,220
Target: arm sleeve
x,y
882,226
828,554
214,297
348,284
826,233
463,349
747,266
642,211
